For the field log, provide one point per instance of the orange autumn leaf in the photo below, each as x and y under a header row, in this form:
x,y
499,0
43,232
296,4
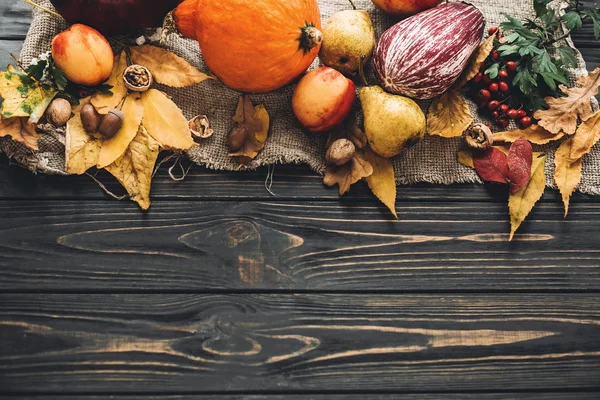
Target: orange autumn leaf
x,y
522,202
20,130
465,158
567,173
535,134
382,181
586,137
564,112
449,115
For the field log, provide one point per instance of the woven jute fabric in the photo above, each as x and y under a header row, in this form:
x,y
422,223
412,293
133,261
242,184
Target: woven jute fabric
x,y
432,160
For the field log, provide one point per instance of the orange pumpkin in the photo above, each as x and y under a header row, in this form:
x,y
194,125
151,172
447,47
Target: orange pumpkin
x,y
253,46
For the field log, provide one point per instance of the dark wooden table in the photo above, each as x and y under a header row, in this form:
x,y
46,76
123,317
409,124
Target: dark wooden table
x,y
223,291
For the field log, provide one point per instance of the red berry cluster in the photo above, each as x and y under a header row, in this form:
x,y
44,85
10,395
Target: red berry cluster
x,y
494,96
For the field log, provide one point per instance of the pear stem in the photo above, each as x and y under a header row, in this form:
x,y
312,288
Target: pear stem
x,y
42,8
361,69
353,5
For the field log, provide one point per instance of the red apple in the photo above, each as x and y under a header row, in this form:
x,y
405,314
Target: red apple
x,y
323,99
405,8
83,54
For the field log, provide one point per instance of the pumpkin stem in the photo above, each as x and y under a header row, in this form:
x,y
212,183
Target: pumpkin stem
x,y
310,38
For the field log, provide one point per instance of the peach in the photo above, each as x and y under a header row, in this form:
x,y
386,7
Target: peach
x,y
323,99
83,54
405,8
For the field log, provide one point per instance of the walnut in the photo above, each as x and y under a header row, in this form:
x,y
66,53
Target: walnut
x,y
58,112
137,78
200,127
340,152
479,137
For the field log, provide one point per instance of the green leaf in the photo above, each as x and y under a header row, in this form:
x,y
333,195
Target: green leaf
x,y
530,48
511,38
572,20
567,55
545,64
596,28
493,71
60,79
36,71
541,7
525,81
508,49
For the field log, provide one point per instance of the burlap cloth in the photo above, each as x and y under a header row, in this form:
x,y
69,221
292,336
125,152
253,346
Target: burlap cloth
x,y
432,160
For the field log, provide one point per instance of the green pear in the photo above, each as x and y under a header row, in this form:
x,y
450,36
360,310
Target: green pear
x,y
348,40
392,123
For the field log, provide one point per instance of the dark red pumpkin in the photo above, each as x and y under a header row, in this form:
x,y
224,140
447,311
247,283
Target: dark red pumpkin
x,y
115,17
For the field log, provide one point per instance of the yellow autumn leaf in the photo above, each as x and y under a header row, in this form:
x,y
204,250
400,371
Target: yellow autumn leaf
x,y
473,67
535,134
465,158
257,121
23,96
586,136
521,203
105,102
567,173
134,168
382,181
348,174
20,130
81,149
165,122
167,67
449,116
114,147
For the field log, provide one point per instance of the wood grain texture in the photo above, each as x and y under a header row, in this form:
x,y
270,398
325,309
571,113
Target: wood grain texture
x,y
216,343
346,396
291,182
195,246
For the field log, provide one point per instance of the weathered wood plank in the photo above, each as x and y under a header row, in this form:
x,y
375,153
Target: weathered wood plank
x,y
291,182
346,396
8,47
16,17
205,343
196,246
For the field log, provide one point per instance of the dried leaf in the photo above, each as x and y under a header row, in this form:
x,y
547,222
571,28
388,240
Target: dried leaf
x,y
449,116
564,111
81,149
382,181
473,68
465,158
586,136
115,147
492,165
519,159
105,102
535,134
567,173
255,120
165,122
348,174
134,169
20,130
23,96
167,67
348,130
521,203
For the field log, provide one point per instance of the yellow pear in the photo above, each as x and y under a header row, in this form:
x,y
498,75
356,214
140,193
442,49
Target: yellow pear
x,y
392,123
348,40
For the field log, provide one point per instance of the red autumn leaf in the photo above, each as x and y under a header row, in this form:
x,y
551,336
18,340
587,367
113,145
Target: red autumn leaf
x,y
520,157
492,166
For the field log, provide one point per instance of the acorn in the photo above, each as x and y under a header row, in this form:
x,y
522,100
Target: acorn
x,y
111,123
90,118
236,138
58,112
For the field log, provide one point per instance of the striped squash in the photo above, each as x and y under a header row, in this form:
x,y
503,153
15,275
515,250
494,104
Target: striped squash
x,y
422,56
